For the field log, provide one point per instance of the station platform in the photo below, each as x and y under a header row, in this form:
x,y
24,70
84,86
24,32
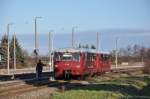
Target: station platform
x,y
22,74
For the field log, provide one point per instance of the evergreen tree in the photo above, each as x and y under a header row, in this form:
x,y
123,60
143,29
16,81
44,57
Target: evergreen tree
x,y
3,47
19,52
93,47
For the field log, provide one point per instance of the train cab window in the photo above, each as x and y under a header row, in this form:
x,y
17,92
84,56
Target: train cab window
x,y
70,57
66,57
57,56
91,57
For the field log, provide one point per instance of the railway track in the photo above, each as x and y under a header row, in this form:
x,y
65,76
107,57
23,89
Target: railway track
x,y
24,88
20,87
126,69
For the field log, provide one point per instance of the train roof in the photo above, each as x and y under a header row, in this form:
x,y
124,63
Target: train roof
x,y
73,50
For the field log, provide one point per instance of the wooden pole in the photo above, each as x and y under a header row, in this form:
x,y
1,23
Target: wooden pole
x,y
8,50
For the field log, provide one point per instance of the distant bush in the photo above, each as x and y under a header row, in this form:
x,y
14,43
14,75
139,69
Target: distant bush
x,y
147,67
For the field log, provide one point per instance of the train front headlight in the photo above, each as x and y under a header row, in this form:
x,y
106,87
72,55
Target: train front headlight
x,y
56,65
50,63
78,66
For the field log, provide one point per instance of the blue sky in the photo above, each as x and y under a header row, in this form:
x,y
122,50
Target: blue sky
x,y
61,15
125,17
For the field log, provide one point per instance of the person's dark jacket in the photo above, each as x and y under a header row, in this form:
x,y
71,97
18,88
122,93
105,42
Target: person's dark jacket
x,y
39,67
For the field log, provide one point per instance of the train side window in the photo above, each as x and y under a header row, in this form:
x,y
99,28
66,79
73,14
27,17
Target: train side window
x,y
86,59
105,57
90,57
93,57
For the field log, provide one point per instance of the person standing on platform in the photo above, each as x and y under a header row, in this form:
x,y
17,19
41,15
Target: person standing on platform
x,y
39,68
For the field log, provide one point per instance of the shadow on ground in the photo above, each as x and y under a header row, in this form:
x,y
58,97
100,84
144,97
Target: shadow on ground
x,y
129,91
22,76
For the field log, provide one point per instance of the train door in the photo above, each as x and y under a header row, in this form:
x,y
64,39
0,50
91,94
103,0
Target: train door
x,y
99,63
105,62
90,63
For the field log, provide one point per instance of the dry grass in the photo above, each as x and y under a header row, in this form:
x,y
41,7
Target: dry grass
x,y
126,87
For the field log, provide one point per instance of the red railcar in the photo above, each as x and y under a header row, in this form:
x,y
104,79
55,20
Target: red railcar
x,y
78,63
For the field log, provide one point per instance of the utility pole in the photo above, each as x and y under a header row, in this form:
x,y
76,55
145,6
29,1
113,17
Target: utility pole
x,y
97,41
50,50
8,50
73,29
14,52
51,55
72,37
35,29
116,56
97,44
36,44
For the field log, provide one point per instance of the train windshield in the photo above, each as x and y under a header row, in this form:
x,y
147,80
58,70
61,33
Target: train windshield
x,y
68,57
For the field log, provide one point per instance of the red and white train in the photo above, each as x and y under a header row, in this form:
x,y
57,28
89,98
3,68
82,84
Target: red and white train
x,y
69,63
